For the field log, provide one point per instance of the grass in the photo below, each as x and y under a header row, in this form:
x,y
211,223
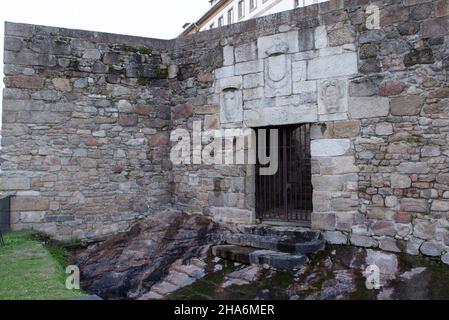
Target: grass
x,y
32,270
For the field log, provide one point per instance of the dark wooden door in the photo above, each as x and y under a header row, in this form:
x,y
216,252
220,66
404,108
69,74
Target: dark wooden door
x,y
287,195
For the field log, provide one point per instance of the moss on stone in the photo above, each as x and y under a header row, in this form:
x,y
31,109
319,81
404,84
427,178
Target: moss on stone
x,y
413,140
142,81
63,41
145,51
161,73
127,48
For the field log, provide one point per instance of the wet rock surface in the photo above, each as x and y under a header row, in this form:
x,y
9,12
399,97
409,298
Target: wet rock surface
x,y
155,258
339,273
169,256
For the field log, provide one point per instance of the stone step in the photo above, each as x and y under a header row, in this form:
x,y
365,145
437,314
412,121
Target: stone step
x,y
282,243
253,256
297,234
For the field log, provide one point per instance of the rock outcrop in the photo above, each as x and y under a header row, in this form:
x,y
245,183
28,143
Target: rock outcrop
x,y
128,265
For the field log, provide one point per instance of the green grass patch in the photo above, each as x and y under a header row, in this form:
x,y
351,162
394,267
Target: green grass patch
x,y
30,269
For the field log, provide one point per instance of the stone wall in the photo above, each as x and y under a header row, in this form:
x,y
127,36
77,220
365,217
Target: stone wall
x,y
85,129
377,101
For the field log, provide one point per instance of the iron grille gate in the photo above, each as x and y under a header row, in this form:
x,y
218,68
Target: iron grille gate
x,y
287,195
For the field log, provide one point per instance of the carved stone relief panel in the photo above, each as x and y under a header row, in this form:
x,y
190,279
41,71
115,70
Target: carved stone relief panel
x,y
231,105
290,39
333,99
230,95
278,70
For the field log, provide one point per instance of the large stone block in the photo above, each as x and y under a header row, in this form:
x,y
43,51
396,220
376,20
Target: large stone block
x,y
335,237
338,165
414,205
15,183
182,111
280,115
243,68
321,39
302,87
324,221
432,248
322,201
380,213
384,228
18,29
254,80
413,245
228,55
128,120
92,54
13,44
29,59
439,205
333,182
32,217
369,107
344,204
424,230
406,105
24,82
435,27
330,147
400,181
341,36
232,215
384,129
345,129
413,168
389,244
224,72
442,8
332,66
363,241
306,39
246,52
29,204
62,84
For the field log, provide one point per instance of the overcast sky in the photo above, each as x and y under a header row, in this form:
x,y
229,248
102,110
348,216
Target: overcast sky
x,y
149,18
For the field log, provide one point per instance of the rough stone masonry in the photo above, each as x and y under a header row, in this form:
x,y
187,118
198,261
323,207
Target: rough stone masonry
x,y
87,118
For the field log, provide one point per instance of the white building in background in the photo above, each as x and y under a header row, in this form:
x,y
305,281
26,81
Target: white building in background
x,y
226,12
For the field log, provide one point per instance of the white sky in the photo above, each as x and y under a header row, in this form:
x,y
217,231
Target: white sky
x,y
148,18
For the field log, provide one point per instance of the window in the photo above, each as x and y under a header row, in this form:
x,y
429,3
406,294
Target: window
x,y
220,21
252,4
231,16
241,9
